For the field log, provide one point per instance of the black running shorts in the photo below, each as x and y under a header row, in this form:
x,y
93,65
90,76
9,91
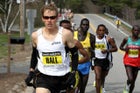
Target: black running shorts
x,y
53,83
103,63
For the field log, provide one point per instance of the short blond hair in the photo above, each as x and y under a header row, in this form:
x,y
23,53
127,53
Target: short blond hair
x,y
51,7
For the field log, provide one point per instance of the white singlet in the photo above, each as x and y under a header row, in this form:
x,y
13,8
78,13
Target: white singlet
x,y
99,45
52,55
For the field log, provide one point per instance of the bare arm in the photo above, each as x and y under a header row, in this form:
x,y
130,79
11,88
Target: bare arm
x,y
123,43
34,52
92,43
69,41
34,38
113,48
113,44
68,38
33,62
84,53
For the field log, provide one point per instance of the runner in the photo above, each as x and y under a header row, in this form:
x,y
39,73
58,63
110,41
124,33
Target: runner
x,y
53,68
66,24
111,64
110,59
88,41
82,52
118,23
102,50
131,60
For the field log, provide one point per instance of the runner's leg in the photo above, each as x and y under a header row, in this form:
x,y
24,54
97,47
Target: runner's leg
x,y
42,90
98,72
132,75
84,83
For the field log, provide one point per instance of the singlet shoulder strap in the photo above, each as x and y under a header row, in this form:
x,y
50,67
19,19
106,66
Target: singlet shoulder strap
x,y
60,30
106,38
39,31
107,45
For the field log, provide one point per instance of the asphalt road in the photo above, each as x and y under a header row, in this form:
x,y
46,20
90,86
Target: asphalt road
x,y
116,79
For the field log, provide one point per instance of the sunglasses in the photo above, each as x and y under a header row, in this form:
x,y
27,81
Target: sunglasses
x,y
49,17
85,24
101,30
136,30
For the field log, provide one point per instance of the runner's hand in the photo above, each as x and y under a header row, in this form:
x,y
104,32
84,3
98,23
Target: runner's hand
x,y
29,78
73,79
92,62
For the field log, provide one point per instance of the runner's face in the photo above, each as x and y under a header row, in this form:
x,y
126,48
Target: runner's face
x,y
66,25
136,32
85,26
49,18
101,31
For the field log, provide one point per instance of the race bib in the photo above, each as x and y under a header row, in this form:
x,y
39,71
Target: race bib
x,y
51,58
100,46
133,53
